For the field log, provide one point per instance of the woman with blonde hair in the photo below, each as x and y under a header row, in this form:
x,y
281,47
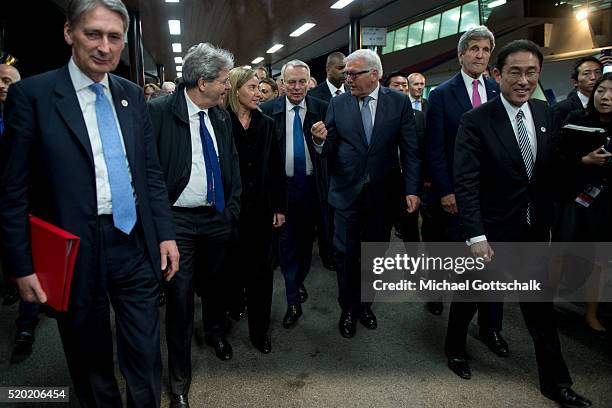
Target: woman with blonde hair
x,y
263,204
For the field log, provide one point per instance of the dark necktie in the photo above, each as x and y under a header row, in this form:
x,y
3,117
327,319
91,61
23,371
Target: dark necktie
x,y
1,124
214,183
338,92
299,153
122,196
366,117
526,152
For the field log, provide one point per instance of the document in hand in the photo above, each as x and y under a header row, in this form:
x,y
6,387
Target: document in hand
x,y
54,253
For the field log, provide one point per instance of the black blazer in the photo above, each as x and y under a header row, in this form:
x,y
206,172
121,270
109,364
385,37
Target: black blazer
x,y
171,130
49,172
491,183
424,105
563,108
263,164
321,92
315,111
354,162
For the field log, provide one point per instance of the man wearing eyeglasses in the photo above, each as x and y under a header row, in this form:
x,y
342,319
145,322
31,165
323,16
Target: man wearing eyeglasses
x,y
200,163
361,136
503,175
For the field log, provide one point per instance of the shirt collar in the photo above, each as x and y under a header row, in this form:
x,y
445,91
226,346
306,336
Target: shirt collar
x,y
192,108
374,93
413,99
333,89
583,99
513,110
290,105
81,81
468,79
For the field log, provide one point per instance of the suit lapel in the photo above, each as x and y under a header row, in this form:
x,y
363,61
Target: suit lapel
x,y
219,128
355,112
539,122
124,110
280,120
503,129
491,91
70,110
460,93
379,117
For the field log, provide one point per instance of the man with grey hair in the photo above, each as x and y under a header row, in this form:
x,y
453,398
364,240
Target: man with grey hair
x,y
168,87
416,85
81,155
447,103
293,117
200,163
361,135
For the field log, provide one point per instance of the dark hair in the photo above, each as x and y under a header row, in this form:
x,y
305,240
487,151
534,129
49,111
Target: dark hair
x,y
269,81
590,109
517,46
581,61
394,74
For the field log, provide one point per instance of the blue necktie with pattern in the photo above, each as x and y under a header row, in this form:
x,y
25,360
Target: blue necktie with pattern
x,y
122,197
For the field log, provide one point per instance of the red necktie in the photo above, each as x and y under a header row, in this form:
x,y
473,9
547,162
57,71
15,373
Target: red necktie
x,y
476,102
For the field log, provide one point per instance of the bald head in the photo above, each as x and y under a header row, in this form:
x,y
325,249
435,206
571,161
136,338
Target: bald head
x,y
8,75
335,68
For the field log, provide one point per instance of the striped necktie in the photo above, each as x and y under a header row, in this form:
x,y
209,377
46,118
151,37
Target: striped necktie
x,y
526,153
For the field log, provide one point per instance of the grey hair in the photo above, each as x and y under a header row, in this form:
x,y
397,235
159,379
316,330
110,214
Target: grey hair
x,y
205,61
370,58
475,33
76,9
295,63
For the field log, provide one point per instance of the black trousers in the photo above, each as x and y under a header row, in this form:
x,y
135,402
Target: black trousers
x,y
126,278
202,236
368,219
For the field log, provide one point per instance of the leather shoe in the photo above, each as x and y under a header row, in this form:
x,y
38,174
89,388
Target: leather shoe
x,y
179,401
368,319
292,316
495,342
262,343
567,398
347,325
223,349
435,308
24,338
302,294
460,366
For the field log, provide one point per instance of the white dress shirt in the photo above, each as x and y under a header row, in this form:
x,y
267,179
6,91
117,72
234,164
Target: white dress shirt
x,y
583,99
373,103
482,91
512,110
87,102
333,89
194,194
413,100
289,118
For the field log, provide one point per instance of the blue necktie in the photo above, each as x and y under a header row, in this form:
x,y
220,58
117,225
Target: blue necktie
x,y
1,124
214,191
299,154
366,118
122,197
417,105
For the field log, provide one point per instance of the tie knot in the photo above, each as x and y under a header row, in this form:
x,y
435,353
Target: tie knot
x,y
475,83
520,115
366,99
338,92
97,88
296,109
201,114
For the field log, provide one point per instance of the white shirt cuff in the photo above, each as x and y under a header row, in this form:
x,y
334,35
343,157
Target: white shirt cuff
x,y
474,240
318,147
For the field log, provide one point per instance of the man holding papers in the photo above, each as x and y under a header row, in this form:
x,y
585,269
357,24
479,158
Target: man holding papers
x,y
80,154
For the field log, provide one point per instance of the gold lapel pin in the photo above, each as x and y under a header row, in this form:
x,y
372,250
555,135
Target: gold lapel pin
x,y
124,103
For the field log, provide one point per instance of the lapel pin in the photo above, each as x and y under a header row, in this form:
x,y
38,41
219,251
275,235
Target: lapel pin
x,y
543,129
124,103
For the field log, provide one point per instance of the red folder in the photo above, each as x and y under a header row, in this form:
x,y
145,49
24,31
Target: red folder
x,y
54,253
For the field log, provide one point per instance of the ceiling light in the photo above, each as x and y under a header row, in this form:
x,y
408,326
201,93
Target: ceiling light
x,y
179,68
302,29
172,1
582,14
178,60
176,47
179,74
257,60
496,3
175,27
341,4
275,48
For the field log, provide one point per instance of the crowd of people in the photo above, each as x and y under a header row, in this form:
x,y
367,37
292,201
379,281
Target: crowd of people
x,y
205,186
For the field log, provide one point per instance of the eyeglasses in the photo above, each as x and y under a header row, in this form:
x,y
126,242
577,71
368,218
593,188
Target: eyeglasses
x,y
223,82
515,75
354,75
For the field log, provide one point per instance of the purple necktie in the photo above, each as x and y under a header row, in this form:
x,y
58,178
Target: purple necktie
x,y
476,102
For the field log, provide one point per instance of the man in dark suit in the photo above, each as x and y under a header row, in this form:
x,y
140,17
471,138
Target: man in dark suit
x,y
361,136
294,115
81,155
503,177
416,85
334,83
447,103
200,163
586,72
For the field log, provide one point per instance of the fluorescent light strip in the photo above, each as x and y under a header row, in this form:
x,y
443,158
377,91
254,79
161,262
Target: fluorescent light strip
x,y
302,29
172,1
275,48
179,68
496,3
340,4
175,27
178,60
177,47
257,60
179,74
